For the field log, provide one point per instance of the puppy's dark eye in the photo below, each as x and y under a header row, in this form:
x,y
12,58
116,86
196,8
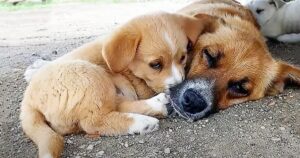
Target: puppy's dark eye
x,y
156,65
212,60
272,3
189,46
258,11
182,59
238,88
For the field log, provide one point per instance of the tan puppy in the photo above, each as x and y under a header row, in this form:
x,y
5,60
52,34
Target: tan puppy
x,y
96,88
235,56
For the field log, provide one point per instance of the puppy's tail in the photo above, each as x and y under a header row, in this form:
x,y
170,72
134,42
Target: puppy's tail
x,y
33,68
50,144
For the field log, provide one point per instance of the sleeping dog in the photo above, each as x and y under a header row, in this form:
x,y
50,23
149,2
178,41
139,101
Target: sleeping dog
x,y
278,19
230,65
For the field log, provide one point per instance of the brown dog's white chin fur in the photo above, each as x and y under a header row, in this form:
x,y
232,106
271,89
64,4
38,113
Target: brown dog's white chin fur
x,y
107,87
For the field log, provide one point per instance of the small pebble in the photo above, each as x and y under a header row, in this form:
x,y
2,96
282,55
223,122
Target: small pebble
x,y
90,147
263,127
272,103
276,139
167,150
141,141
100,154
282,128
126,144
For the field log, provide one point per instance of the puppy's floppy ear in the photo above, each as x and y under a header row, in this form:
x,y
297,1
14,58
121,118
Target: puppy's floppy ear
x,y
287,73
197,25
278,3
120,49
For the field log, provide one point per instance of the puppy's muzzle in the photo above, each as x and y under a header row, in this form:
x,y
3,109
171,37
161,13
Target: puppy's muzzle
x,y
193,99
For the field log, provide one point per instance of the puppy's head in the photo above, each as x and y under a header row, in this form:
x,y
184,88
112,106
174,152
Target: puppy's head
x,y
264,10
155,47
240,65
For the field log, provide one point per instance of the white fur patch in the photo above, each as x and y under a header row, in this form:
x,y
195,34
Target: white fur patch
x,y
143,124
170,43
175,78
291,38
159,103
32,69
48,155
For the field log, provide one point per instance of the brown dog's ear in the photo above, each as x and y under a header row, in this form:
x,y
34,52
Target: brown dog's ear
x,y
287,73
197,25
120,49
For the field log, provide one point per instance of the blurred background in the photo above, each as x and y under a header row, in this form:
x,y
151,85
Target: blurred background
x,y
34,21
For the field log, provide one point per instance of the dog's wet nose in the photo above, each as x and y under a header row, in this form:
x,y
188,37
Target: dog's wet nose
x,y
193,102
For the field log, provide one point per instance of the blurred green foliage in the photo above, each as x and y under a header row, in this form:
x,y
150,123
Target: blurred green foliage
x,y
31,5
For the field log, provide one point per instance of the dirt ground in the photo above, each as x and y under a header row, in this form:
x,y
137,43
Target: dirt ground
x,y
266,128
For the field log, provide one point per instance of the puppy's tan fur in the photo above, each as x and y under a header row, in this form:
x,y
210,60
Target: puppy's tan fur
x,y
244,70
98,87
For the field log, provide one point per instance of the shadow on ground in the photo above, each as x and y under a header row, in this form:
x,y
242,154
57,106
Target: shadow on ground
x,y
266,128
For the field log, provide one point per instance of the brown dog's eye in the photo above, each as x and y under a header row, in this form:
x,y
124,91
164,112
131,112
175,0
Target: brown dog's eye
x,y
238,88
258,11
156,65
182,59
189,46
212,60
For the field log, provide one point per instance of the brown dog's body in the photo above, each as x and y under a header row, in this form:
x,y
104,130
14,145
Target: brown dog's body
x,y
235,55
98,88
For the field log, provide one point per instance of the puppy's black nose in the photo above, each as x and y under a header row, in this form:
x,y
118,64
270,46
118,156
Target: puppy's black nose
x,y
193,102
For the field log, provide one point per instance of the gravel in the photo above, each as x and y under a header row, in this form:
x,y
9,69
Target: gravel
x,y
269,127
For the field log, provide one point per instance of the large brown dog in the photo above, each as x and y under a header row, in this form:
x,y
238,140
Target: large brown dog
x,y
99,88
235,57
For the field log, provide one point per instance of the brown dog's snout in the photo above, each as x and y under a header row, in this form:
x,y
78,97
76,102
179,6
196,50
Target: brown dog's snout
x,y
193,102
193,99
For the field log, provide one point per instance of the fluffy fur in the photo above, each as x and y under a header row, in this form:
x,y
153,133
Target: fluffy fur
x,y
278,19
107,87
235,56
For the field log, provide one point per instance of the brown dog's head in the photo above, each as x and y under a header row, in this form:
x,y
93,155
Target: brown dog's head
x,y
154,47
237,61
240,64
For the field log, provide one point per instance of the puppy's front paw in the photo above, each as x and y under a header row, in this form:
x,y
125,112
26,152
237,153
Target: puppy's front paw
x,y
142,124
159,104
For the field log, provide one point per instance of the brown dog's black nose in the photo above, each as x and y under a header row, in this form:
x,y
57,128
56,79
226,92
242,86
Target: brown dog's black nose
x,y
193,102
